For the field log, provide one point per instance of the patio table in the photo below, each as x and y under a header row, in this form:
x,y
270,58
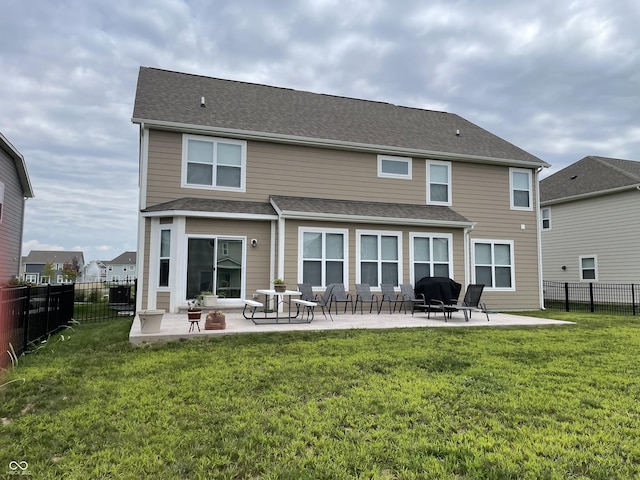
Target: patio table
x,y
280,299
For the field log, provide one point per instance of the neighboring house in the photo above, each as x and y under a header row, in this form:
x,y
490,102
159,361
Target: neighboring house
x,y
242,183
591,223
123,267
33,265
15,188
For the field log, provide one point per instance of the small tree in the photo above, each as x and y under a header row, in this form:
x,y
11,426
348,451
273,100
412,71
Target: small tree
x,y
48,272
69,272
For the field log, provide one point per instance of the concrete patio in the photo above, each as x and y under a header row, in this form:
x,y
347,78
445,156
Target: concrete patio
x,y
176,326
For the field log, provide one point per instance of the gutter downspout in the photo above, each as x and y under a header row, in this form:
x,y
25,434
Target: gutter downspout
x,y
140,263
467,254
539,239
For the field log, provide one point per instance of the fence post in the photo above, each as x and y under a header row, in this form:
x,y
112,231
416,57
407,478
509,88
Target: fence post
x,y
591,306
633,300
566,296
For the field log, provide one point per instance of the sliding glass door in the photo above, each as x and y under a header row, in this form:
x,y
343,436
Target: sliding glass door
x,y
215,265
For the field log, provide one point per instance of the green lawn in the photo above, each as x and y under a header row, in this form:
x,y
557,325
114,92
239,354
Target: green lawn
x,y
461,403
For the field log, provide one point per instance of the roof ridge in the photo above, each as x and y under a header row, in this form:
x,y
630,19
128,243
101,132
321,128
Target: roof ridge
x,y
603,161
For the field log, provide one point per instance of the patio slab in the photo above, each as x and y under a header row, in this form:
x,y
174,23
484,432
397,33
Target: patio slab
x,y
176,326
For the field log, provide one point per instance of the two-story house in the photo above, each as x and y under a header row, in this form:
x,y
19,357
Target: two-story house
x,y
590,223
15,188
123,267
34,266
241,183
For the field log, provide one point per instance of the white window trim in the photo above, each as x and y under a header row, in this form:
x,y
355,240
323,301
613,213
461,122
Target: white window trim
x,y
513,263
407,160
345,239
202,138
449,189
388,233
595,267
542,218
511,188
31,277
431,236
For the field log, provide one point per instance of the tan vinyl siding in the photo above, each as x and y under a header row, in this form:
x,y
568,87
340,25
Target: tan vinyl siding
x,y
481,193
275,169
12,219
607,227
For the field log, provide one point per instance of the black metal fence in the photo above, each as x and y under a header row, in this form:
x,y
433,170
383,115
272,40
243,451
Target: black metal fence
x,y
31,313
606,298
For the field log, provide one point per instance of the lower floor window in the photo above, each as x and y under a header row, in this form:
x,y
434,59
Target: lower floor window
x,y
379,258
493,263
588,268
431,256
323,256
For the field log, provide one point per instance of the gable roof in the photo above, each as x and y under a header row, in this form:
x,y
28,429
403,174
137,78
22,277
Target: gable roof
x,y
21,166
172,100
590,176
126,258
53,256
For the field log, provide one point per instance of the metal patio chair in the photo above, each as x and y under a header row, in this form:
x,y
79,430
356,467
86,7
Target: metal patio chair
x,y
364,295
339,295
388,294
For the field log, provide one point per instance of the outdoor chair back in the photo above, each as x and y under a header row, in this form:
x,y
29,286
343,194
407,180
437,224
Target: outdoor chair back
x,y
409,297
364,295
388,294
307,292
339,295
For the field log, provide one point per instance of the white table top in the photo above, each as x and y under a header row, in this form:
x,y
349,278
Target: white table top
x,y
273,292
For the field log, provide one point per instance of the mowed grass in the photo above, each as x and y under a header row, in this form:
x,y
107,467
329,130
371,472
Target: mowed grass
x,y
460,403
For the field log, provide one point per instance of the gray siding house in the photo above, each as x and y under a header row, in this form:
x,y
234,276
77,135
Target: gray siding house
x,y
15,188
123,267
34,264
590,222
243,183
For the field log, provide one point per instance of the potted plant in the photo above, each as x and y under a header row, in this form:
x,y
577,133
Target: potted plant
x,y
194,311
208,299
279,285
216,320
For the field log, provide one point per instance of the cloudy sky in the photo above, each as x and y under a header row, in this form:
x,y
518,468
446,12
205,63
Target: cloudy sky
x,y
560,79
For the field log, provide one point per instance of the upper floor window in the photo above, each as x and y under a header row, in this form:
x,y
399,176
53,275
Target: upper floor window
x,y
493,264
546,218
379,255
588,268
323,256
438,183
430,255
209,162
520,187
394,167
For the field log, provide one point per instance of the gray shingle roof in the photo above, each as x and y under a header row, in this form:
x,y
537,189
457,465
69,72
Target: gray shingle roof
x,y
126,258
53,256
311,207
213,205
589,176
174,98
379,210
